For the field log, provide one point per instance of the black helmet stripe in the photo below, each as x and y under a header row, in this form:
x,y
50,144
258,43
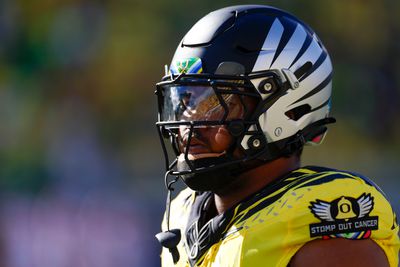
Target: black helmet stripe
x,y
322,105
265,57
316,90
312,53
292,47
303,49
316,65
288,29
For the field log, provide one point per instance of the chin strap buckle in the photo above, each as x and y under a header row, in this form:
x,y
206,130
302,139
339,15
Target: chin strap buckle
x,y
170,238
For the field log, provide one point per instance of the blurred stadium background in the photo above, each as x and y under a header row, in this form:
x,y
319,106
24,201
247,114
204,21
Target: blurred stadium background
x,y
81,169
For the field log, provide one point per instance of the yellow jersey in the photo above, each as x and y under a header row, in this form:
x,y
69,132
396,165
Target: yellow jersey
x,y
269,227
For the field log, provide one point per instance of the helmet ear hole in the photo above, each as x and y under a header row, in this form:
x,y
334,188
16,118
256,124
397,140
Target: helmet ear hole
x,y
298,112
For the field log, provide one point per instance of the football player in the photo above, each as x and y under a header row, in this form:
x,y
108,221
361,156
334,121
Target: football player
x,y
248,87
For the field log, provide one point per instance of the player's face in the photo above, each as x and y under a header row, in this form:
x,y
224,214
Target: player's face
x,y
202,104
215,139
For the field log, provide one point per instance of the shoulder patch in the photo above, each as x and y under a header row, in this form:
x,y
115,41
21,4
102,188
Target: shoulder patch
x,y
346,217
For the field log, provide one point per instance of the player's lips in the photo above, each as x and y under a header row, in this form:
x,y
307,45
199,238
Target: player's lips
x,y
198,149
196,146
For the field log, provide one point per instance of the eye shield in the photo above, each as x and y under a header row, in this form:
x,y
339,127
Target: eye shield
x,y
217,101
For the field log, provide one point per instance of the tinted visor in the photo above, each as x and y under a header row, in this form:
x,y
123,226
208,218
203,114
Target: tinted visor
x,y
204,103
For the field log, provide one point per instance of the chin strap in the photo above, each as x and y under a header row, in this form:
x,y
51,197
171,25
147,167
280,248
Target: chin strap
x,y
292,144
308,133
170,238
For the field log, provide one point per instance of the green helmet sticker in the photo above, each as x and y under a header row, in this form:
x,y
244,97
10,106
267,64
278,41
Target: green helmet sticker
x,y
191,65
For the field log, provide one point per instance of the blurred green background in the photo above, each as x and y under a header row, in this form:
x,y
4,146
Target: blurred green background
x,y
81,169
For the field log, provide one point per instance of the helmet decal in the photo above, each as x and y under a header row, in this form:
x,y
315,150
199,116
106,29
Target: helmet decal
x,y
191,65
